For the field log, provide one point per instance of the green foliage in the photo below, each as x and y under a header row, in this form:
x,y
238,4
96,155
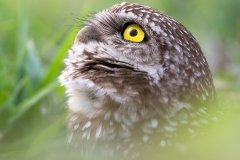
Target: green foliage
x,y
34,39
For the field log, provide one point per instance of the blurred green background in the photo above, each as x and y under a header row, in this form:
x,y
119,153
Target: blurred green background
x,y
34,38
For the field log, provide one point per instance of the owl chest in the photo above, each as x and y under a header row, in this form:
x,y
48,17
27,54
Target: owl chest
x,y
120,130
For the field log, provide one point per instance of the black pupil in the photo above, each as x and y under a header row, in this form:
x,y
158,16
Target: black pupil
x,y
133,33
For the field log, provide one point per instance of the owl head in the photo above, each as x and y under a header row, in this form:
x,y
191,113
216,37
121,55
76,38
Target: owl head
x,y
131,69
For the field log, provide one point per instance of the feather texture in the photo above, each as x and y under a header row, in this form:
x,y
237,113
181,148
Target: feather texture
x,y
124,96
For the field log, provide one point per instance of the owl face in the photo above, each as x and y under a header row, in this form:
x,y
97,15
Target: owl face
x,y
129,68
167,63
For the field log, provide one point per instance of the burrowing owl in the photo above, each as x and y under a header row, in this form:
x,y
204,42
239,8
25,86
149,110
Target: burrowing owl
x,y
135,79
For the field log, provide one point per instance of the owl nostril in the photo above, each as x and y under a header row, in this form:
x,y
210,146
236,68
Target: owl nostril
x,y
87,34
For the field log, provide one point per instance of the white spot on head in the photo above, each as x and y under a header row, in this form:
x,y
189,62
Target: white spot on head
x,y
172,37
142,10
145,20
155,19
197,73
158,29
152,24
177,48
164,34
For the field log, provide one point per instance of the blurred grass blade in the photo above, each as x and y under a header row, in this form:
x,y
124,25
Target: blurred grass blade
x,y
6,26
41,140
9,102
33,64
55,68
28,103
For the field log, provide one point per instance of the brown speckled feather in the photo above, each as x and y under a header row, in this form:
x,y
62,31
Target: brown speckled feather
x,y
130,99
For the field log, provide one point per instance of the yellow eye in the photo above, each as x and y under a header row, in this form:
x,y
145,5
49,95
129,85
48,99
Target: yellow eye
x,y
133,33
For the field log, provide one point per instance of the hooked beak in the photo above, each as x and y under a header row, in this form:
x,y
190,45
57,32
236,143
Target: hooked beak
x,y
88,34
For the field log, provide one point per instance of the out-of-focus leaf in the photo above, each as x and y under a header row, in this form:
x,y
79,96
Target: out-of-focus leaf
x,y
26,104
44,136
